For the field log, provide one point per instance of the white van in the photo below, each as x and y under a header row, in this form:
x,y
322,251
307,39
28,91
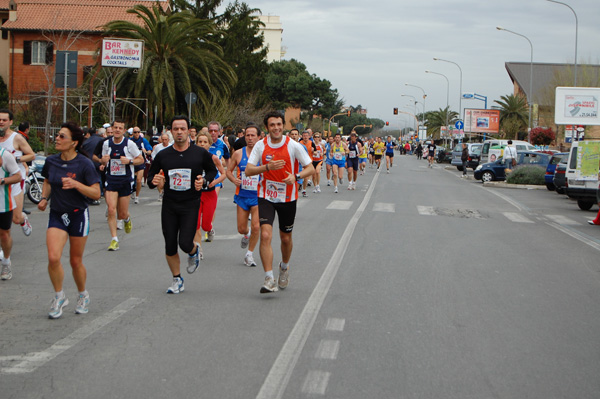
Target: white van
x,y
519,145
582,173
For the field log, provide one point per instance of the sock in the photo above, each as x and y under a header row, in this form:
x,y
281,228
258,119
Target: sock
x,y
284,266
84,293
248,253
60,294
269,274
5,261
177,276
127,220
116,239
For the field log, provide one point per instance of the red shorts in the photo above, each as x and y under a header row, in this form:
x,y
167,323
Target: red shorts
x,y
208,206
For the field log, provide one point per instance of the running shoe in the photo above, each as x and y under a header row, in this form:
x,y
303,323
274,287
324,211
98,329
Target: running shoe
x,y
318,189
589,222
119,224
269,286
353,186
82,304
193,261
26,226
284,277
315,191
56,307
249,261
128,226
309,183
336,189
388,171
341,181
210,235
114,245
136,200
6,273
304,193
329,182
245,241
176,287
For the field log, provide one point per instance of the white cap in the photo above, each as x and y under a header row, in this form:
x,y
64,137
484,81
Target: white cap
x,y
130,130
106,125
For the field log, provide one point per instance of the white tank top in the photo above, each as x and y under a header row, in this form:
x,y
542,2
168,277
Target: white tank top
x,y
9,145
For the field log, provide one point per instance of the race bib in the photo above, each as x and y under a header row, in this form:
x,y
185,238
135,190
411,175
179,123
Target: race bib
x,y
275,191
338,156
180,179
352,154
117,168
317,154
249,183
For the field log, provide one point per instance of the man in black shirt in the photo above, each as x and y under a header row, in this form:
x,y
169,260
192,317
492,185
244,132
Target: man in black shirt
x,y
178,170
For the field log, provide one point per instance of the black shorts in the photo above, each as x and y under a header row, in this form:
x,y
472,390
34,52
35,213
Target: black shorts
x,y
317,163
6,220
389,154
76,223
286,214
137,168
431,154
179,220
124,189
352,163
377,157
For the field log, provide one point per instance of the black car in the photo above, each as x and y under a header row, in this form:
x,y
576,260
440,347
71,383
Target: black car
x,y
560,177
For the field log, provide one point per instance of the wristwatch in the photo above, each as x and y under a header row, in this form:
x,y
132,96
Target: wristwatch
x,y
2,181
297,176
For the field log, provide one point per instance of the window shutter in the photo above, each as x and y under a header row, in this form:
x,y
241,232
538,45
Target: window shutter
x,y
49,53
27,52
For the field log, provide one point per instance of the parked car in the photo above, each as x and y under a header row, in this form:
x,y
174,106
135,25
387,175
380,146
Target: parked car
x,y
496,170
580,187
474,156
443,154
560,179
555,160
487,145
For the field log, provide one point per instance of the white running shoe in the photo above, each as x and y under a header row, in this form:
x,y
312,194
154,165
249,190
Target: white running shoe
x,y
284,277
318,189
120,224
6,271
194,260
26,227
336,189
329,182
269,286
245,241
56,307
176,287
82,304
249,261
210,235
136,200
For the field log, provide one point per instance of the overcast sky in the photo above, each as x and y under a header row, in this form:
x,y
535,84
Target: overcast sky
x,y
370,49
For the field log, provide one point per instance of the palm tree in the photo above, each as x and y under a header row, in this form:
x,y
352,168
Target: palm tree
x,y
514,114
179,57
436,119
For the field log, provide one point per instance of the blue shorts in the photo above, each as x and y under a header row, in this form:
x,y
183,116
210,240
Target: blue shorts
x,y
76,223
124,189
340,164
245,202
329,162
362,160
353,163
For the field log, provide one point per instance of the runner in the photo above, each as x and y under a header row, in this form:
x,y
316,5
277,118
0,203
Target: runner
x,y
16,144
209,198
362,158
318,161
310,148
389,153
339,149
431,154
178,170
70,179
119,155
146,151
164,143
354,148
329,159
10,176
378,148
371,152
246,196
221,150
277,193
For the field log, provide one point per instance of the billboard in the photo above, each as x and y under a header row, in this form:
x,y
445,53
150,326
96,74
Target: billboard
x,y
122,53
482,120
577,106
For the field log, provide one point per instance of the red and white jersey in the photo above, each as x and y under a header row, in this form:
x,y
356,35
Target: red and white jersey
x,y
272,188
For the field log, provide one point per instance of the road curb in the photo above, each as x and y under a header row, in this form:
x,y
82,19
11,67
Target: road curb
x,y
502,184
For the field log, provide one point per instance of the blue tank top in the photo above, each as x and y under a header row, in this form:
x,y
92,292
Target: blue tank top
x,y
353,150
249,186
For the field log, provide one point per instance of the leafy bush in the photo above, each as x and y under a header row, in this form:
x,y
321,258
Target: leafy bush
x,y
527,175
541,136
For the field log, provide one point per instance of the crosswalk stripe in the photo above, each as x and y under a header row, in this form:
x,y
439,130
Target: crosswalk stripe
x,y
426,210
516,217
340,205
561,219
384,207
316,382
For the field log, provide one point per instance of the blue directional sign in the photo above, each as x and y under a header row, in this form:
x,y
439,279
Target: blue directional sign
x,y
459,125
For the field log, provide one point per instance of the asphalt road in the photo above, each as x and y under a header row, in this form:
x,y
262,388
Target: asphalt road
x,y
419,284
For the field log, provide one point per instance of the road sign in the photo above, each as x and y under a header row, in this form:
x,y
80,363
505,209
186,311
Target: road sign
x,y
459,125
468,95
191,98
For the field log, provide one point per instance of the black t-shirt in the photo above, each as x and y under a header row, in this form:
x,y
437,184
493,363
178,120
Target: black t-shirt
x,y
431,148
181,168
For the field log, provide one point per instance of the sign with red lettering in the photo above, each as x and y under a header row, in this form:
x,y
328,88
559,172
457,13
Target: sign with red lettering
x,y
577,106
122,53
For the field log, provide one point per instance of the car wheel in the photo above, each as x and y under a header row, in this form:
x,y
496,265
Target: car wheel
x,y
560,190
460,168
550,186
487,176
585,205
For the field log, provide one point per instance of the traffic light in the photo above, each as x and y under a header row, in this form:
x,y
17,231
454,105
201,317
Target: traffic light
x,y
395,111
387,123
348,113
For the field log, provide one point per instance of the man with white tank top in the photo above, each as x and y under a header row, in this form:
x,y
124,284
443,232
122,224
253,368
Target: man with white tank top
x,y
20,149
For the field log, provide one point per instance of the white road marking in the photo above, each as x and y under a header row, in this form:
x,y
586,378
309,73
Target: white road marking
x,y
31,361
589,241
384,207
328,349
316,382
340,205
334,324
426,210
561,219
516,217
281,371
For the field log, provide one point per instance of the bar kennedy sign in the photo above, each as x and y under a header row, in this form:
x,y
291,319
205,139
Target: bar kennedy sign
x,y
122,53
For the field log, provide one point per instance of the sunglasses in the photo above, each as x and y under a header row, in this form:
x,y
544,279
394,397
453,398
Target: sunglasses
x,y
63,136
137,131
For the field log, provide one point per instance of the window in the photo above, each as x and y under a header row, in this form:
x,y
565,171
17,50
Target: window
x,y
38,53
4,31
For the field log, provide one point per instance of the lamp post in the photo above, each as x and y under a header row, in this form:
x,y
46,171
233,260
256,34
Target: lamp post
x,y
424,97
460,89
414,101
530,96
576,34
447,93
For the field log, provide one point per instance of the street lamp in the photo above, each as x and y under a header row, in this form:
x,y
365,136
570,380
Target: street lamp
x,y
447,93
530,97
460,89
424,97
576,34
414,101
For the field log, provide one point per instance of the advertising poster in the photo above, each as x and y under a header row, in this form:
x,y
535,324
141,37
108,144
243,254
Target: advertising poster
x,y
482,120
588,158
577,106
122,53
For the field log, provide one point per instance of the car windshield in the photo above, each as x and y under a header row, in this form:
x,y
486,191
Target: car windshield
x,y
457,148
556,159
476,149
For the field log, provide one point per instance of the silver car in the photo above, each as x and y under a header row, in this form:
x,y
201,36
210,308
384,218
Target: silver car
x,y
474,155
